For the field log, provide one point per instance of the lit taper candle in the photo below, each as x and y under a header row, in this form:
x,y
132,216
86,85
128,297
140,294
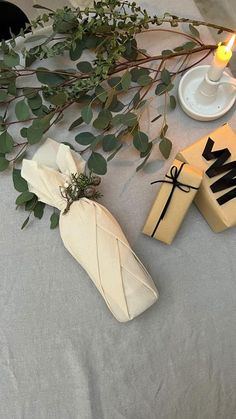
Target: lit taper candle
x,y
221,59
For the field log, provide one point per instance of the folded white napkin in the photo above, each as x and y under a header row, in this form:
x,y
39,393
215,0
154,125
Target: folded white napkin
x,y
91,234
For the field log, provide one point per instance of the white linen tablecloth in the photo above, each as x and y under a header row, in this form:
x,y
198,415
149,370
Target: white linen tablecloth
x,y
64,356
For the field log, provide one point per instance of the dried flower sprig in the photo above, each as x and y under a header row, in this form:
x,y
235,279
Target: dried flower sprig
x,y
80,186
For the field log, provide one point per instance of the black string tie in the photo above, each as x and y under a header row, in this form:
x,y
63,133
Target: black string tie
x,y
173,176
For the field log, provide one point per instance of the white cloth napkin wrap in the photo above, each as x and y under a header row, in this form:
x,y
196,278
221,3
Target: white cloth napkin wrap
x,y
91,234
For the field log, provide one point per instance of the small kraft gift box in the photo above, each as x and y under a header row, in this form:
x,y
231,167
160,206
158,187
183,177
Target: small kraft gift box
x,y
215,154
172,202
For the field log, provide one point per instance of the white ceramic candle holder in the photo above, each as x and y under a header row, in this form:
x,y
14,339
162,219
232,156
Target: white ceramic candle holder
x,y
203,99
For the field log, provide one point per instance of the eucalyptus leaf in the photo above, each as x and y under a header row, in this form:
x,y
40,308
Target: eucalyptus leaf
x,y
35,132
101,94
4,163
48,77
24,197
75,53
58,99
97,163
166,52
84,67
84,138
194,31
165,147
138,72
39,210
20,184
6,142
76,123
87,114
35,102
3,95
103,119
140,141
109,142
126,80
25,222
165,76
172,102
11,59
22,110
54,220
144,80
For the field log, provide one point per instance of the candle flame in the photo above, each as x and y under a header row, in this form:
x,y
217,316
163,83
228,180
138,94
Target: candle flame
x,y
230,43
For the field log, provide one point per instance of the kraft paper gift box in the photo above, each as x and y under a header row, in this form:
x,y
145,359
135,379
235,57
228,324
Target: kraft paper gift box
x,y
215,154
172,202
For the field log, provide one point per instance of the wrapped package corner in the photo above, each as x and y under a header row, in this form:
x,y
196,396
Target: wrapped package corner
x,y
165,229
216,198
91,234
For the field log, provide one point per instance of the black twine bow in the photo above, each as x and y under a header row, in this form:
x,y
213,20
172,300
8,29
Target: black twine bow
x,y
174,174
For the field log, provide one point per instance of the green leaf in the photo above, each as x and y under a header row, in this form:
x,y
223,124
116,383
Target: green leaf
x,y
39,210
24,197
87,114
76,123
103,119
165,76
25,222
84,138
20,184
136,99
147,151
35,102
34,38
109,142
4,163
129,119
6,142
116,105
144,80
101,94
172,102
22,111
115,83
59,99
48,77
165,147
194,31
112,155
76,53
166,52
136,73
11,59
29,205
3,95
54,220
163,88
84,67
126,80
23,132
97,163
140,141
130,52
35,132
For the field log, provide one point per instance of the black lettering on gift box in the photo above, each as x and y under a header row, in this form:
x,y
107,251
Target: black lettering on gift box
x,y
218,167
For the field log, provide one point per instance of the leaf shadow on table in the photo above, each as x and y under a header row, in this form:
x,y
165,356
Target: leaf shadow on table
x,y
153,166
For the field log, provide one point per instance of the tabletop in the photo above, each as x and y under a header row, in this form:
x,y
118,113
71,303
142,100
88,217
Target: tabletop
x,y
64,356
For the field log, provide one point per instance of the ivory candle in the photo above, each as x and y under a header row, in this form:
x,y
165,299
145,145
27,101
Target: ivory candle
x,y
221,59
